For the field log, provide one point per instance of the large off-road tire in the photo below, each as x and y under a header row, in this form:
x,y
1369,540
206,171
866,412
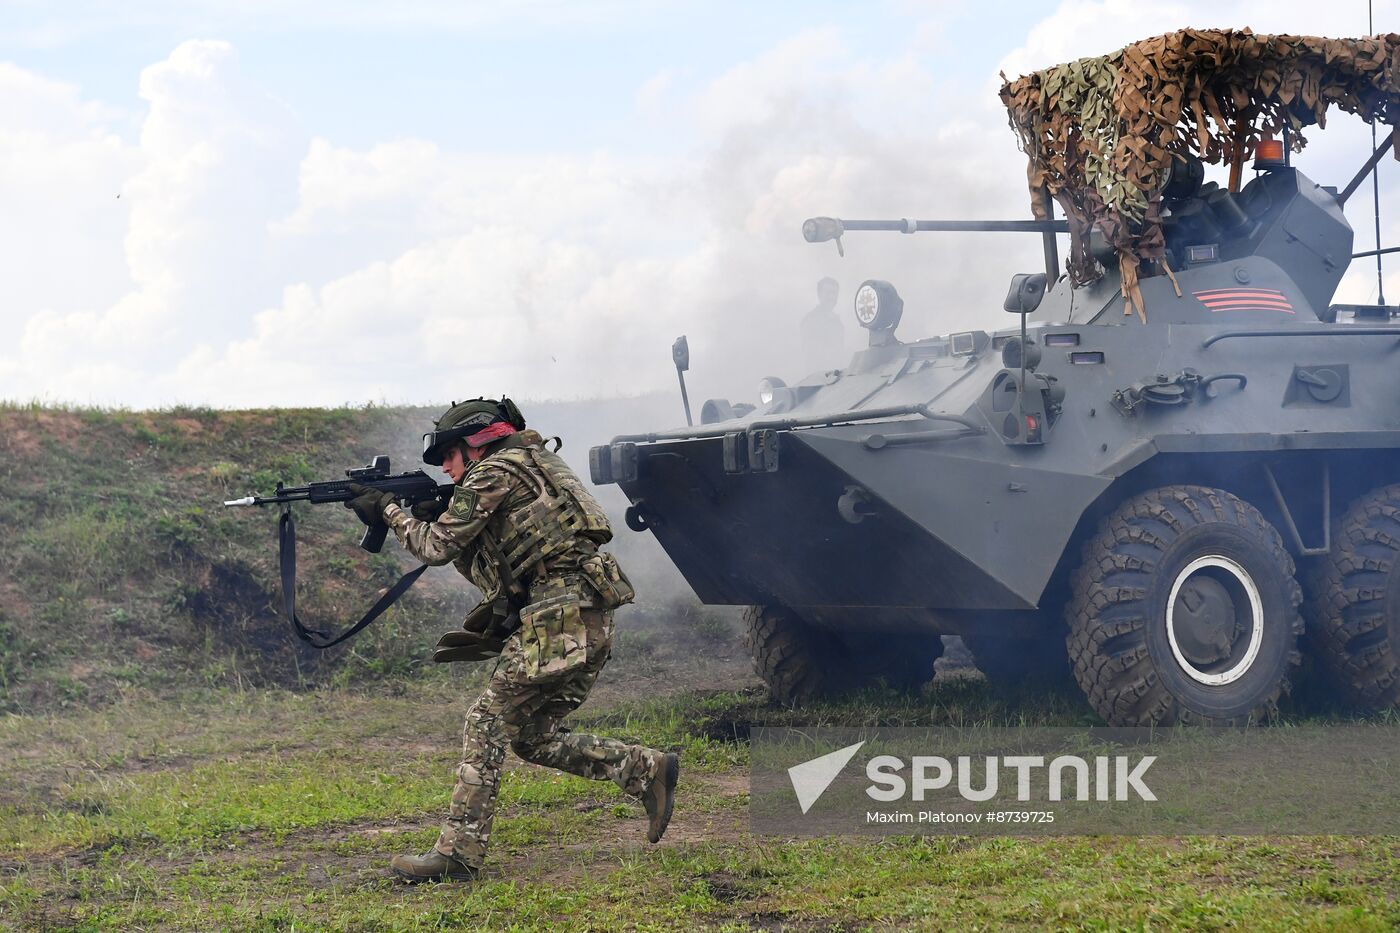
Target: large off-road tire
x,y
1037,661
1185,609
799,661
1353,607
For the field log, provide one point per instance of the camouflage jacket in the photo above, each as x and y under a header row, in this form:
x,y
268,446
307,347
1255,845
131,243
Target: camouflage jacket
x,y
498,498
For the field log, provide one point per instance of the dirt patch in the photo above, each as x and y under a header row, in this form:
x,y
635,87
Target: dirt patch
x,y
63,427
20,442
23,433
727,886
625,682
777,921
728,784
189,427
45,916
231,600
723,729
12,600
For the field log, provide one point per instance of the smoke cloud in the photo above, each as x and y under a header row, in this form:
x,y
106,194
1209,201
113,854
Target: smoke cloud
x,y
209,249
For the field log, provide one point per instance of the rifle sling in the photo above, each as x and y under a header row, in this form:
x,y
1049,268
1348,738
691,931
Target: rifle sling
x,y
287,558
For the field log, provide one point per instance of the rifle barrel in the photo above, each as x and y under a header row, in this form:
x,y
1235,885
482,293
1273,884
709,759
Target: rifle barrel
x,y
410,487
298,494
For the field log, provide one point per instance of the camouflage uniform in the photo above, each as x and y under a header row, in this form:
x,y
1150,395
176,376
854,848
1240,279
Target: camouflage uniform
x,y
550,663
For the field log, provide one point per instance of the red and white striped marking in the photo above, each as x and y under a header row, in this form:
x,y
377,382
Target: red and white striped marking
x,y
1244,299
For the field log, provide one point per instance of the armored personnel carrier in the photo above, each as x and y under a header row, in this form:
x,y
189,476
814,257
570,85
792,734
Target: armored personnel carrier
x,y
1173,505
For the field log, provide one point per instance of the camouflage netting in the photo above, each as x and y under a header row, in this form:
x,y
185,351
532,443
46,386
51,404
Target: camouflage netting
x,y
1101,132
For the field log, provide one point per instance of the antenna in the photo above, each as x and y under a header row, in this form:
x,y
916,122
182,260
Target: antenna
x,y
1375,180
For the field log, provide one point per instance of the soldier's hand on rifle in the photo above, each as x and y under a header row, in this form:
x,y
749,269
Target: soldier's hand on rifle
x,y
429,510
369,503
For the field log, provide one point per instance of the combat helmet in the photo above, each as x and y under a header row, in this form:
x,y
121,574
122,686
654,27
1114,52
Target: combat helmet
x,y
465,419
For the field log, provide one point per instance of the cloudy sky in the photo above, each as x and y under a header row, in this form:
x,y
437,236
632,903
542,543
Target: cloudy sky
x,y
320,203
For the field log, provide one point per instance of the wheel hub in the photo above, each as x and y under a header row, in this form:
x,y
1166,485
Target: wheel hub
x,y
1206,620
1215,619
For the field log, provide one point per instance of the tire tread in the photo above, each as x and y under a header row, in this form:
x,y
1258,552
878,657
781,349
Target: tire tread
x,y
1345,610
1107,648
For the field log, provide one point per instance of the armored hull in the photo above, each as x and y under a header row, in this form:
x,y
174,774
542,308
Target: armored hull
x,y
940,486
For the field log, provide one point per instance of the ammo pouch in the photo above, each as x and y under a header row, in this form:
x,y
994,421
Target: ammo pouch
x,y
605,575
553,638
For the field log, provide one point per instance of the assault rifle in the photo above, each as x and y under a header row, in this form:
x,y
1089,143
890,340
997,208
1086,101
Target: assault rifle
x,y
408,488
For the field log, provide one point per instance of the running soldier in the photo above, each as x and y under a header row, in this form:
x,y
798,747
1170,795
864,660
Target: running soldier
x,y
524,529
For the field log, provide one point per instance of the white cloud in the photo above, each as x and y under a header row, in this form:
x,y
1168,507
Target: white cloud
x,y
215,162
404,271
653,95
61,169
1080,28
247,263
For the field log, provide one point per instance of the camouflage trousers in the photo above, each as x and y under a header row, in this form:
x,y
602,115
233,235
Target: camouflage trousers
x,y
526,714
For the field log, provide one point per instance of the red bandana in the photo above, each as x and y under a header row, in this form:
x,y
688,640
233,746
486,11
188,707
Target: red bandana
x,y
494,433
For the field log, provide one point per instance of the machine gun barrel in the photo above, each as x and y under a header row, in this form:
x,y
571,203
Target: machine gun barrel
x,y
823,229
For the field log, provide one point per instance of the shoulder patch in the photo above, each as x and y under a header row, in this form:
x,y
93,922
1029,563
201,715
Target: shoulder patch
x,y
463,502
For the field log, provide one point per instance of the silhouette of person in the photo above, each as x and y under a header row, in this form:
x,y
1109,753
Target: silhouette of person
x,y
823,337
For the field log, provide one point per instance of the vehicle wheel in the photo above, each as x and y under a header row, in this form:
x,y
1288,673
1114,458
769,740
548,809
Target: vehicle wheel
x,y
1040,660
1353,607
1185,609
799,661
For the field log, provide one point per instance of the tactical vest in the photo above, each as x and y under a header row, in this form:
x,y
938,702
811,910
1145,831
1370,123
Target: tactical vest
x,y
563,511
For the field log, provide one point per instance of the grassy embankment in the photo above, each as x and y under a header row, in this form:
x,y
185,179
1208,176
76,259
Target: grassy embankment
x,y
122,569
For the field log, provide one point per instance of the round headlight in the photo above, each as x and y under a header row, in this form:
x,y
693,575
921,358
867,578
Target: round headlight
x,y
878,305
867,305
766,389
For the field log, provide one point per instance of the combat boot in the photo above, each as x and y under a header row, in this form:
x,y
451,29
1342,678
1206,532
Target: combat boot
x,y
660,795
432,866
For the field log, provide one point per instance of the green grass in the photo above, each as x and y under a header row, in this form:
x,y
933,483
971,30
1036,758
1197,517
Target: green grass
x,y
269,810
130,574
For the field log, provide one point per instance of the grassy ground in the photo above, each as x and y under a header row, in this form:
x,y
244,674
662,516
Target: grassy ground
x,y
171,758
277,811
